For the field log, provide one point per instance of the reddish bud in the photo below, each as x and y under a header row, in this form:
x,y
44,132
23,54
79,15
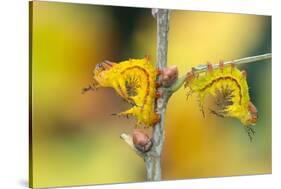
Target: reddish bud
x,y
141,141
169,75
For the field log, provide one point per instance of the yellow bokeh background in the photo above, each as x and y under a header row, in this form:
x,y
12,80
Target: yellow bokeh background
x,y
75,140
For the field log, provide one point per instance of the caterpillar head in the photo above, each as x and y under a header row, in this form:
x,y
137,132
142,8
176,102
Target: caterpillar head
x,y
252,115
101,72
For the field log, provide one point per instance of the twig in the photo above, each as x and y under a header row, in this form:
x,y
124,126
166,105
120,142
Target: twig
x,y
251,59
153,157
202,68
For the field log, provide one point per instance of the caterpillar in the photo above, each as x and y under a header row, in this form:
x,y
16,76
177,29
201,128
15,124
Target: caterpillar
x,y
229,89
135,81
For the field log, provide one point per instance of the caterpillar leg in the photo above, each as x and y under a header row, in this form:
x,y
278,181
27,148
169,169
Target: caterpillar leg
x,y
200,102
121,90
130,101
127,113
92,87
87,89
201,108
251,132
217,113
189,93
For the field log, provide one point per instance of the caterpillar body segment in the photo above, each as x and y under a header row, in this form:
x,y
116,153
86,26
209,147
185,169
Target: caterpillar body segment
x,y
228,86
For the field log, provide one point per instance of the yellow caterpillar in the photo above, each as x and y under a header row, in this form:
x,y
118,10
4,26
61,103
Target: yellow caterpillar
x,y
229,87
134,80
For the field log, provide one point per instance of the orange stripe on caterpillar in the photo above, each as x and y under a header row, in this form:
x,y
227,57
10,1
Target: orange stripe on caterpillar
x,y
229,89
214,81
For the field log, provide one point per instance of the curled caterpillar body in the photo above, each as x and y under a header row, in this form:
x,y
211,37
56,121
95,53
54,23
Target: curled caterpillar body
x,y
229,87
135,81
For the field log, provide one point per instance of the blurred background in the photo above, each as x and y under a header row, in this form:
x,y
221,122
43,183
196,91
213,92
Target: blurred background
x,y
75,138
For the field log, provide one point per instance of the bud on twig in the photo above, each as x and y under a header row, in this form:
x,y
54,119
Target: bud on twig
x,y
141,141
169,76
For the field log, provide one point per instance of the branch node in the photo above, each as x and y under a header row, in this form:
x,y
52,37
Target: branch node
x,y
140,142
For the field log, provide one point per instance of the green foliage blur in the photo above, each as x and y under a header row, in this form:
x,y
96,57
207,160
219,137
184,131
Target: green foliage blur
x,y
75,138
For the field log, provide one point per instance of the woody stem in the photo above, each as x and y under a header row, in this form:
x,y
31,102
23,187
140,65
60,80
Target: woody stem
x,y
153,157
